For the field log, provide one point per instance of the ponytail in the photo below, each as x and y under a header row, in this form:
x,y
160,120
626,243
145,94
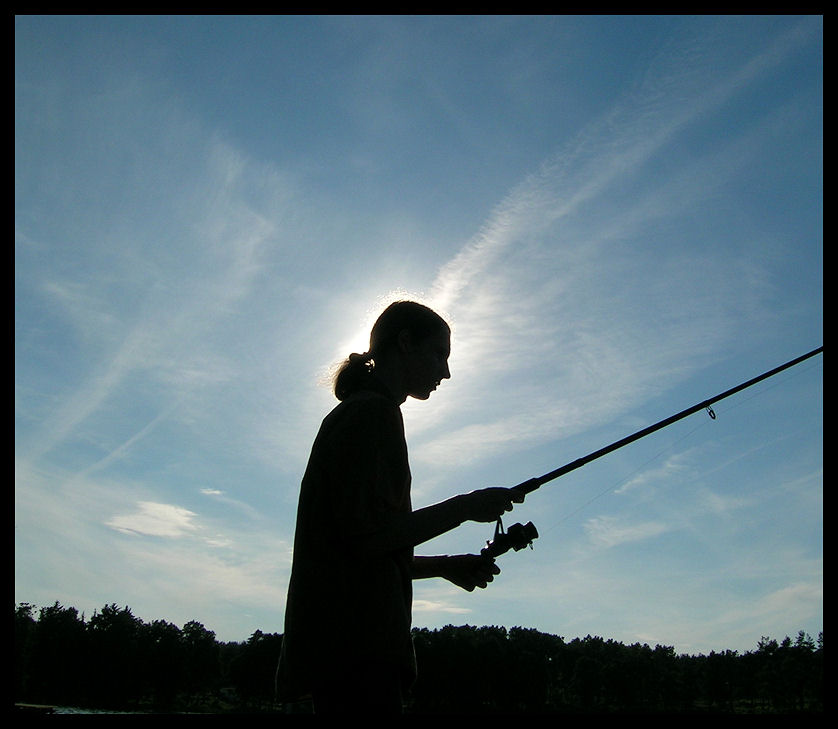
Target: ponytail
x,y
353,374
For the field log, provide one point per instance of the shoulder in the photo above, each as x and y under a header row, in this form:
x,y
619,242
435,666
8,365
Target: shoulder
x,y
364,423
365,406
364,412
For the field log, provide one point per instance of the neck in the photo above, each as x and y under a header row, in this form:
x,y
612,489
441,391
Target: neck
x,y
392,379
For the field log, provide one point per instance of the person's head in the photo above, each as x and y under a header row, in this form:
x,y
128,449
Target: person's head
x,y
409,349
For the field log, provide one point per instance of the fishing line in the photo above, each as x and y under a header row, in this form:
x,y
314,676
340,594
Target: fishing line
x,y
624,480
521,535
713,416
767,388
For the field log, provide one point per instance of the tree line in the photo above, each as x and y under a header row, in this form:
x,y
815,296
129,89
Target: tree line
x,y
114,660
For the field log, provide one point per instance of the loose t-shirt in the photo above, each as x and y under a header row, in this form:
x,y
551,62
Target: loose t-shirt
x,y
350,592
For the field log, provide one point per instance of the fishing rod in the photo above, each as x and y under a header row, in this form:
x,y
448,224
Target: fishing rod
x,y
521,535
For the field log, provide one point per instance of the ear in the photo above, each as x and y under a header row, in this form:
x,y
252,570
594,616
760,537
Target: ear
x,y
404,341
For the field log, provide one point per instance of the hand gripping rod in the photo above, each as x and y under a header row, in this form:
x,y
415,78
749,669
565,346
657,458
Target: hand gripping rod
x,y
533,483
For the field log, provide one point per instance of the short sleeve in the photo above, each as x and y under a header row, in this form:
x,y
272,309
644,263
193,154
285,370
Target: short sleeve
x,y
367,467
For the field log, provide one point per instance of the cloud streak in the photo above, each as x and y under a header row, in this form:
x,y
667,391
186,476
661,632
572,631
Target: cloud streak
x,y
152,309
548,283
609,531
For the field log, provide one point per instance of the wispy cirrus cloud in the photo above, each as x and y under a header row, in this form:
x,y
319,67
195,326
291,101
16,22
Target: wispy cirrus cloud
x,y
548,291
221,497
674,466
611,531
145,303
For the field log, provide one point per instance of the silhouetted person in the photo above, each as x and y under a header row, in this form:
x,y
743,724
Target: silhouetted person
x,y
347,640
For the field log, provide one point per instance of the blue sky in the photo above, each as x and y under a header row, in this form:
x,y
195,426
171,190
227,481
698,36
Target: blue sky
x,y
620,216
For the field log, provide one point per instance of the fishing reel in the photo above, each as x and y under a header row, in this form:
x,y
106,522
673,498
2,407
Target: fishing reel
x,y
516,537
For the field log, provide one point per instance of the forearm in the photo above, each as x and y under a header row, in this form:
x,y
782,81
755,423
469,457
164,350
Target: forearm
x,y
413,528
425,567
464,570
409,529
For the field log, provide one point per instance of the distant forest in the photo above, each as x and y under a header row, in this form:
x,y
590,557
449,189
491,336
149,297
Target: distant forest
x,y
114,660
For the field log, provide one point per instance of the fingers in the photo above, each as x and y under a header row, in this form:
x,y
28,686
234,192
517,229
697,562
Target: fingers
x,y
506,498
485,570
510,497
470,571
517,496
488,504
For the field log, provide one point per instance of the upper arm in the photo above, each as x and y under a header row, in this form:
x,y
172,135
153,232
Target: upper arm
x,y
367,467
